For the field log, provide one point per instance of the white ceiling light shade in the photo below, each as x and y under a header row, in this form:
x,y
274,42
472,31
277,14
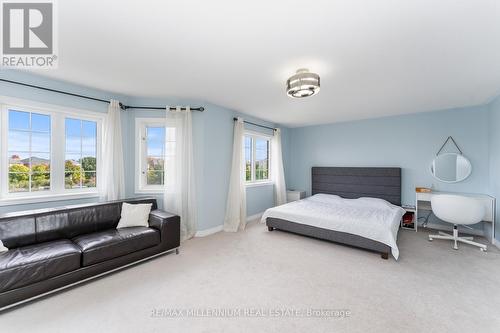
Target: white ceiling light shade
x,y
303,84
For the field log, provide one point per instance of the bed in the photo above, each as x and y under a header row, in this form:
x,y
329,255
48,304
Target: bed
x,y
359,207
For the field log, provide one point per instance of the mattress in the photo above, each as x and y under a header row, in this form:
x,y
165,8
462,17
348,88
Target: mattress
x,y
371,218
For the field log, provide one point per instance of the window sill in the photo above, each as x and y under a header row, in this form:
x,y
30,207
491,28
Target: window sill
x,y
142,192
47,198
257,184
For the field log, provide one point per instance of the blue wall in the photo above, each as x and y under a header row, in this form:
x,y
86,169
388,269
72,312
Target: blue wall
x,y
409,142
259,198
494,133
213,137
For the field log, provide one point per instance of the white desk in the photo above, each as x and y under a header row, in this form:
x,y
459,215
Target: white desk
x,y
423,200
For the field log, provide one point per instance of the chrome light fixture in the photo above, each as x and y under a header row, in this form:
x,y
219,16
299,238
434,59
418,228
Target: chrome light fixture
x,y
302,84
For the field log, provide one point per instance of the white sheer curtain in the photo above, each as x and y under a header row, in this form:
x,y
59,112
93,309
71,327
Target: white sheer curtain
x,y
180,189
112,178
236,210
277,170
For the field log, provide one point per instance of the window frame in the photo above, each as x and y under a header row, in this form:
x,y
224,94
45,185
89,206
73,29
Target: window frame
x,y
98,161
254,134
141,186
5,135
57,114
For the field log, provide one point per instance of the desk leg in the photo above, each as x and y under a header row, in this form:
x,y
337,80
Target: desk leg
x,y
494,215
416,215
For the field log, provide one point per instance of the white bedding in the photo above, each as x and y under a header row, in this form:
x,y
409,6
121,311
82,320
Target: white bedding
x,y
372,218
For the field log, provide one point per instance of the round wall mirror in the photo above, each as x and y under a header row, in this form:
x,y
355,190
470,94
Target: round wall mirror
x,y
451,167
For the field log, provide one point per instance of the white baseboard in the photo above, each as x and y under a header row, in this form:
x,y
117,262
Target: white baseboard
x,y
254,217
210,231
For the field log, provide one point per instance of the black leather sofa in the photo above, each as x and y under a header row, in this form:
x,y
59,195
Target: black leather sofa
x,y
54,248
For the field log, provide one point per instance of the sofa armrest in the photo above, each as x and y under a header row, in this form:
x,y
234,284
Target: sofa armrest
x,y
169,226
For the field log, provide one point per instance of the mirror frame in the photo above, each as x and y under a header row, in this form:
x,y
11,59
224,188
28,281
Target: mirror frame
x,y
451,181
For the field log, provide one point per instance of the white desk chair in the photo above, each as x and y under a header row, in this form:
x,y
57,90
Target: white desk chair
x,y
458,210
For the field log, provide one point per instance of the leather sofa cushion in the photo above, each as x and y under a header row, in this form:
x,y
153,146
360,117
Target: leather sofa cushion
x,y
101,246
52,226
66,224
33,263
107,216
17,231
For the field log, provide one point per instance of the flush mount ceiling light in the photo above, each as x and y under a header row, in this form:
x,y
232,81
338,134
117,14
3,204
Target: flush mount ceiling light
x,y
302,84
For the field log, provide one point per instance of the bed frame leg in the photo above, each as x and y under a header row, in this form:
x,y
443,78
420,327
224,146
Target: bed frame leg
x,y
270,228
384,255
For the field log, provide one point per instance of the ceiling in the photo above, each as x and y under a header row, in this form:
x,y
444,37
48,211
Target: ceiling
x,y
375,58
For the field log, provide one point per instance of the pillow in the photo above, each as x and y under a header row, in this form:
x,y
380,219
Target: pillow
x,y
134,215
3,248
377,201
325,198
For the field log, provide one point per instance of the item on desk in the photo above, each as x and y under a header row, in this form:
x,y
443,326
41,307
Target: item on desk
x,y
423,189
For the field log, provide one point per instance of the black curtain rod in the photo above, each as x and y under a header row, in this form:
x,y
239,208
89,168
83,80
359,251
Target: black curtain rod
x,y
250,123
172,108
54,90
122,106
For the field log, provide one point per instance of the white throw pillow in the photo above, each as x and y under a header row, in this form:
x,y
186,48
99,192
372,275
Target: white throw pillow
x,y
134,215
3,248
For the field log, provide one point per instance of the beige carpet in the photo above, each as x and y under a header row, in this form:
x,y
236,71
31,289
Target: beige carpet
x,y
432,288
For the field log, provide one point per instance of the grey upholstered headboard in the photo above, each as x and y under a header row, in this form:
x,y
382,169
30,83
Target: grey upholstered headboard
x,y
352,183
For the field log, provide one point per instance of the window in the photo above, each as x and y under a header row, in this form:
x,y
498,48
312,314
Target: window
x,y
261,159
28,151
155,145
257,157
47,151
248,158
81,154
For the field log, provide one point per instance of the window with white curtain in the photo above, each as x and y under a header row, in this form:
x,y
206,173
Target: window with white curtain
x,y
155,142
47,150
257,157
